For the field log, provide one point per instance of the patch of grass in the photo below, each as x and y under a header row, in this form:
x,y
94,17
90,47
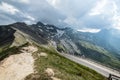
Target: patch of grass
x,y
4,47
64,68
10,51
7,52
99,54
93,47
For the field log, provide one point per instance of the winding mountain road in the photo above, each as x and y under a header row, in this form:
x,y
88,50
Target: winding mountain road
x,y
105,71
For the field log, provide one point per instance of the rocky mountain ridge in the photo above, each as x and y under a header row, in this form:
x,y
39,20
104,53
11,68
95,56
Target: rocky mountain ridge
x,y
65,40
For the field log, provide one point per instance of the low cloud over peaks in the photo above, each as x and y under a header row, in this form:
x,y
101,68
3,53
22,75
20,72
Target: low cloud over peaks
x,y
79,14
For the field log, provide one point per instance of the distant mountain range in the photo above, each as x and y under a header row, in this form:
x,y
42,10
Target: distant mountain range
x,y
102,47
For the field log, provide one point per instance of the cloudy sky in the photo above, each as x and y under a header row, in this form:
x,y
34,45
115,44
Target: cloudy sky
x,y
90,15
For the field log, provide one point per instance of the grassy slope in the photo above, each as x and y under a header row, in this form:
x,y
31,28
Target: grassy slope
x,y
64,69
5,46
101,55
10,51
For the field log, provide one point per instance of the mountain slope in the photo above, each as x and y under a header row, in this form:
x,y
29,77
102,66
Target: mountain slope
x,y
66,40
62,68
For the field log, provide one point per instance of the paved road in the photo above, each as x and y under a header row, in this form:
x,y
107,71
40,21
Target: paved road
x,y
95,66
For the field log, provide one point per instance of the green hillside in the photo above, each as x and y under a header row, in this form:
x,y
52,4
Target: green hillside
x,y
64,69
99,54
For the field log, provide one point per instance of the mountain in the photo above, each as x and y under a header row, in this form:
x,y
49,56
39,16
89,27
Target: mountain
x,y
30,52
64,40
106,38
6,34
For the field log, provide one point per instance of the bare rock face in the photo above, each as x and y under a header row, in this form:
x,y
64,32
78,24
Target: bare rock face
x,y
49,72
54,78
17,67
42,54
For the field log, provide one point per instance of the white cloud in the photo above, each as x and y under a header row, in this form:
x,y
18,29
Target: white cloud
x,y
28,21
103,7
109,9
30,17
22,1
98,9
116,17
54,2
5,7
27,17
74,8
13,13
74,13
116,22
90,30
74,22
71,20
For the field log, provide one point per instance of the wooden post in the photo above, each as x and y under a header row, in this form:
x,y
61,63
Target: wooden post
x,y
110,78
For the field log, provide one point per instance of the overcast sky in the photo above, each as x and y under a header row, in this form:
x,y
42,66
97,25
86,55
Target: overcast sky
x,y
78,14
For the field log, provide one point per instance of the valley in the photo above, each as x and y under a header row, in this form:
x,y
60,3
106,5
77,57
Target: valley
x,y
95,66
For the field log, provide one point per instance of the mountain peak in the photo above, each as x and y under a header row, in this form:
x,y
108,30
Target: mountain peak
x,y
40,23
20,23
